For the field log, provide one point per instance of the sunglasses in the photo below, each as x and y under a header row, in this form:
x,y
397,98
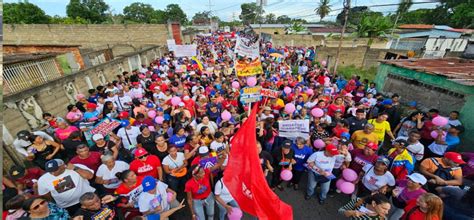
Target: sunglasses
x,y
144,156
40,204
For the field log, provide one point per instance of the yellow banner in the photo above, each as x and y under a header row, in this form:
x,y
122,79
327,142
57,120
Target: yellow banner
x,y
246,68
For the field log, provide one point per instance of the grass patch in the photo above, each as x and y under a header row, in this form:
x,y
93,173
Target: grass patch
x,y
348,71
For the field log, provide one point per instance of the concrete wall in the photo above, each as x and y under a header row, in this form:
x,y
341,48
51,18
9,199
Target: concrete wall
x,y
122,38
431,91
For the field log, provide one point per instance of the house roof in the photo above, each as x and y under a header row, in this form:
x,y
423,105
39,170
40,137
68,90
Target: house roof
x,y
416,26
454,69
19,58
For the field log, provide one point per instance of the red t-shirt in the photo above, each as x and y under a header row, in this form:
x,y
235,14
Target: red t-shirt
x,y
196,160
92,162
200,189
147,168
359,160
32,173
417,214
332,108
123,189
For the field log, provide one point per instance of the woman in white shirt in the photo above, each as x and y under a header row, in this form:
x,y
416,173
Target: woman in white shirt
x,y
375,178
175,167
224,199
106,172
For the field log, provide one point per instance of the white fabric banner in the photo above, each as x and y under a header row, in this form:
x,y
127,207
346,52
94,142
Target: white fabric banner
x,y
294,128
171,44
185,50
244,47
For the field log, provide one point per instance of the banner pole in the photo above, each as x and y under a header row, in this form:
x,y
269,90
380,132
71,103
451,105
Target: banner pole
x,y
250,108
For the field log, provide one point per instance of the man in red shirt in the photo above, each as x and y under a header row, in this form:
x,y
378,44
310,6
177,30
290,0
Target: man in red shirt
x,y
25,179
146,164
90,159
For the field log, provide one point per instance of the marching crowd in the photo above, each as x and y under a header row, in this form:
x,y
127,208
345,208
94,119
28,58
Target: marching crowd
x,y
177,117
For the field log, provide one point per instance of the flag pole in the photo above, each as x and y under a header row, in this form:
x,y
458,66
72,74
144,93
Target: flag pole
x,y
250,108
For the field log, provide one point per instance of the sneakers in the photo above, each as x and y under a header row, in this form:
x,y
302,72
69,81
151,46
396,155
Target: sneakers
x,y
295,187
307,197
321,201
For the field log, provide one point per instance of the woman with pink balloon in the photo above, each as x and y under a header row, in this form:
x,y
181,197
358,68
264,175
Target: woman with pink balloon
x,y
226,203
283,160
444,141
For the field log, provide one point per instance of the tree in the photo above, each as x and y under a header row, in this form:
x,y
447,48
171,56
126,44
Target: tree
x,y
373,26
174,13
402,9
202,17
251,13
283,19
296,27
355,15
419,16
139,12
24,13
323,9
92,10
270,18
67,20
463,16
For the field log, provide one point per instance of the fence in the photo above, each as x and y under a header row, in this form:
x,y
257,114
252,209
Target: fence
x,y
21,76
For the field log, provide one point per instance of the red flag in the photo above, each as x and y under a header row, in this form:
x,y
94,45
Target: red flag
x,y
244,177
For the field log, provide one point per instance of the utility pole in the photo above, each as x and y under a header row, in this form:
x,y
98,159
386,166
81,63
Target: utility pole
x,y
347,7
210,15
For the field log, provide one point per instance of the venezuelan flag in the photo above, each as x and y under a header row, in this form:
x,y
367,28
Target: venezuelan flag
x,y
194,60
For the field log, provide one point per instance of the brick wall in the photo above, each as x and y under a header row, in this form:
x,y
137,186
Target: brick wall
x,y
131,36
15,49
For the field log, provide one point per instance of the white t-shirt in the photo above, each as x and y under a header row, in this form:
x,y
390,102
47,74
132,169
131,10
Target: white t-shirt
x,y
322,161
221,190
174,163
107,174
374,182
67,188
417,150
147,201
121,102
132,133
340,159
217,147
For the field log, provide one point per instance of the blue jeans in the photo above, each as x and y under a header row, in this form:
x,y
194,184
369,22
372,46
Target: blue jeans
x,y
223,211
199,205
312,184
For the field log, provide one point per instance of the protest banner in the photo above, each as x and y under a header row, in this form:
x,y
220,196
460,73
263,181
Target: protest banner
x,y
269,93
250,94
185,50
294,128
245,68
244,47
105,126
171,44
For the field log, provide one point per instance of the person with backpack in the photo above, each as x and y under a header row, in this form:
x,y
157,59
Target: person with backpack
x,y
444,171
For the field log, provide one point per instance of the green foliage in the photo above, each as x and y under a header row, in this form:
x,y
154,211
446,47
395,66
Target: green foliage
x,y
348,71
270,19
200,16
323,9
463,15
139,12
283,19
355,15
24,13
230,23
373,26
251,13
92,10
296,27
67,20
174,13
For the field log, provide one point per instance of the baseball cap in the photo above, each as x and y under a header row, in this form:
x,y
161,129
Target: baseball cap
x,y
96,137
455,157
123,115
412,104
460,128
346,135
53,165
148,183
402,142
267,108
181,104
332,149
16,172
372,145
135,83
203,150
156,87
384,160
387,102
286,144
345,141
91,105
417,178
140,152
23,135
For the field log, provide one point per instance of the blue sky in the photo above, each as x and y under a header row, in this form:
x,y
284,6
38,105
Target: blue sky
x,y
226,9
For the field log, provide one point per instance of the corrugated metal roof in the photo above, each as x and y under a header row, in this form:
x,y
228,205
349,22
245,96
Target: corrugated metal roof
x,y
416,26
455,69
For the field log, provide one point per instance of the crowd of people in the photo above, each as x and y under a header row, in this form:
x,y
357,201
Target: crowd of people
x,y
173,144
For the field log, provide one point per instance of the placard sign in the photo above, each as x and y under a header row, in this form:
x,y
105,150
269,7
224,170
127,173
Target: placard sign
x,y
104,127
250,94
269,93
294,128
171,44
246,48
185,50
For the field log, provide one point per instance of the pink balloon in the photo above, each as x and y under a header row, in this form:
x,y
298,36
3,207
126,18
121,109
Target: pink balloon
x,y
225,115
319,144
287,90
151,114
317,112
151,128
309,91
235,85
169,197
347,187
159,120
323,63
290,108
175,101
286,175
339,182
251,81
440,121
434,134
349,175
236,214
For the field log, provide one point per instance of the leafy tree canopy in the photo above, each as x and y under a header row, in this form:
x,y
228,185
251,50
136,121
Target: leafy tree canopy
x,y
92,10
24,13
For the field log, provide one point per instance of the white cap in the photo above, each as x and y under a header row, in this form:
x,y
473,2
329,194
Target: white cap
x,y
96,137
181,104
417,178
163,75
186,98
203,150
157,87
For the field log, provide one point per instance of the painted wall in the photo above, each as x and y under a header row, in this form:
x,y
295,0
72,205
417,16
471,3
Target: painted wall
x,y
443,94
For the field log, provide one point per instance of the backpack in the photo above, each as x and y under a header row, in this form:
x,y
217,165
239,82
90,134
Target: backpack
x,y
442,172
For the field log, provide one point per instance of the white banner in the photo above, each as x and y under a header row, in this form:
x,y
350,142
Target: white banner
x,y
185,50
244,47
294,128
171,44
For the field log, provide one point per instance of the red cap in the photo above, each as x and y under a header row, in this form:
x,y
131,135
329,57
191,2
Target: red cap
x,y
91,105
455,157
140,152
123,115
135,83
372,145
332,149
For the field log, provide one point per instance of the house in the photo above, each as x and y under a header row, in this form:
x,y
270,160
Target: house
x,y
446,84
434,41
